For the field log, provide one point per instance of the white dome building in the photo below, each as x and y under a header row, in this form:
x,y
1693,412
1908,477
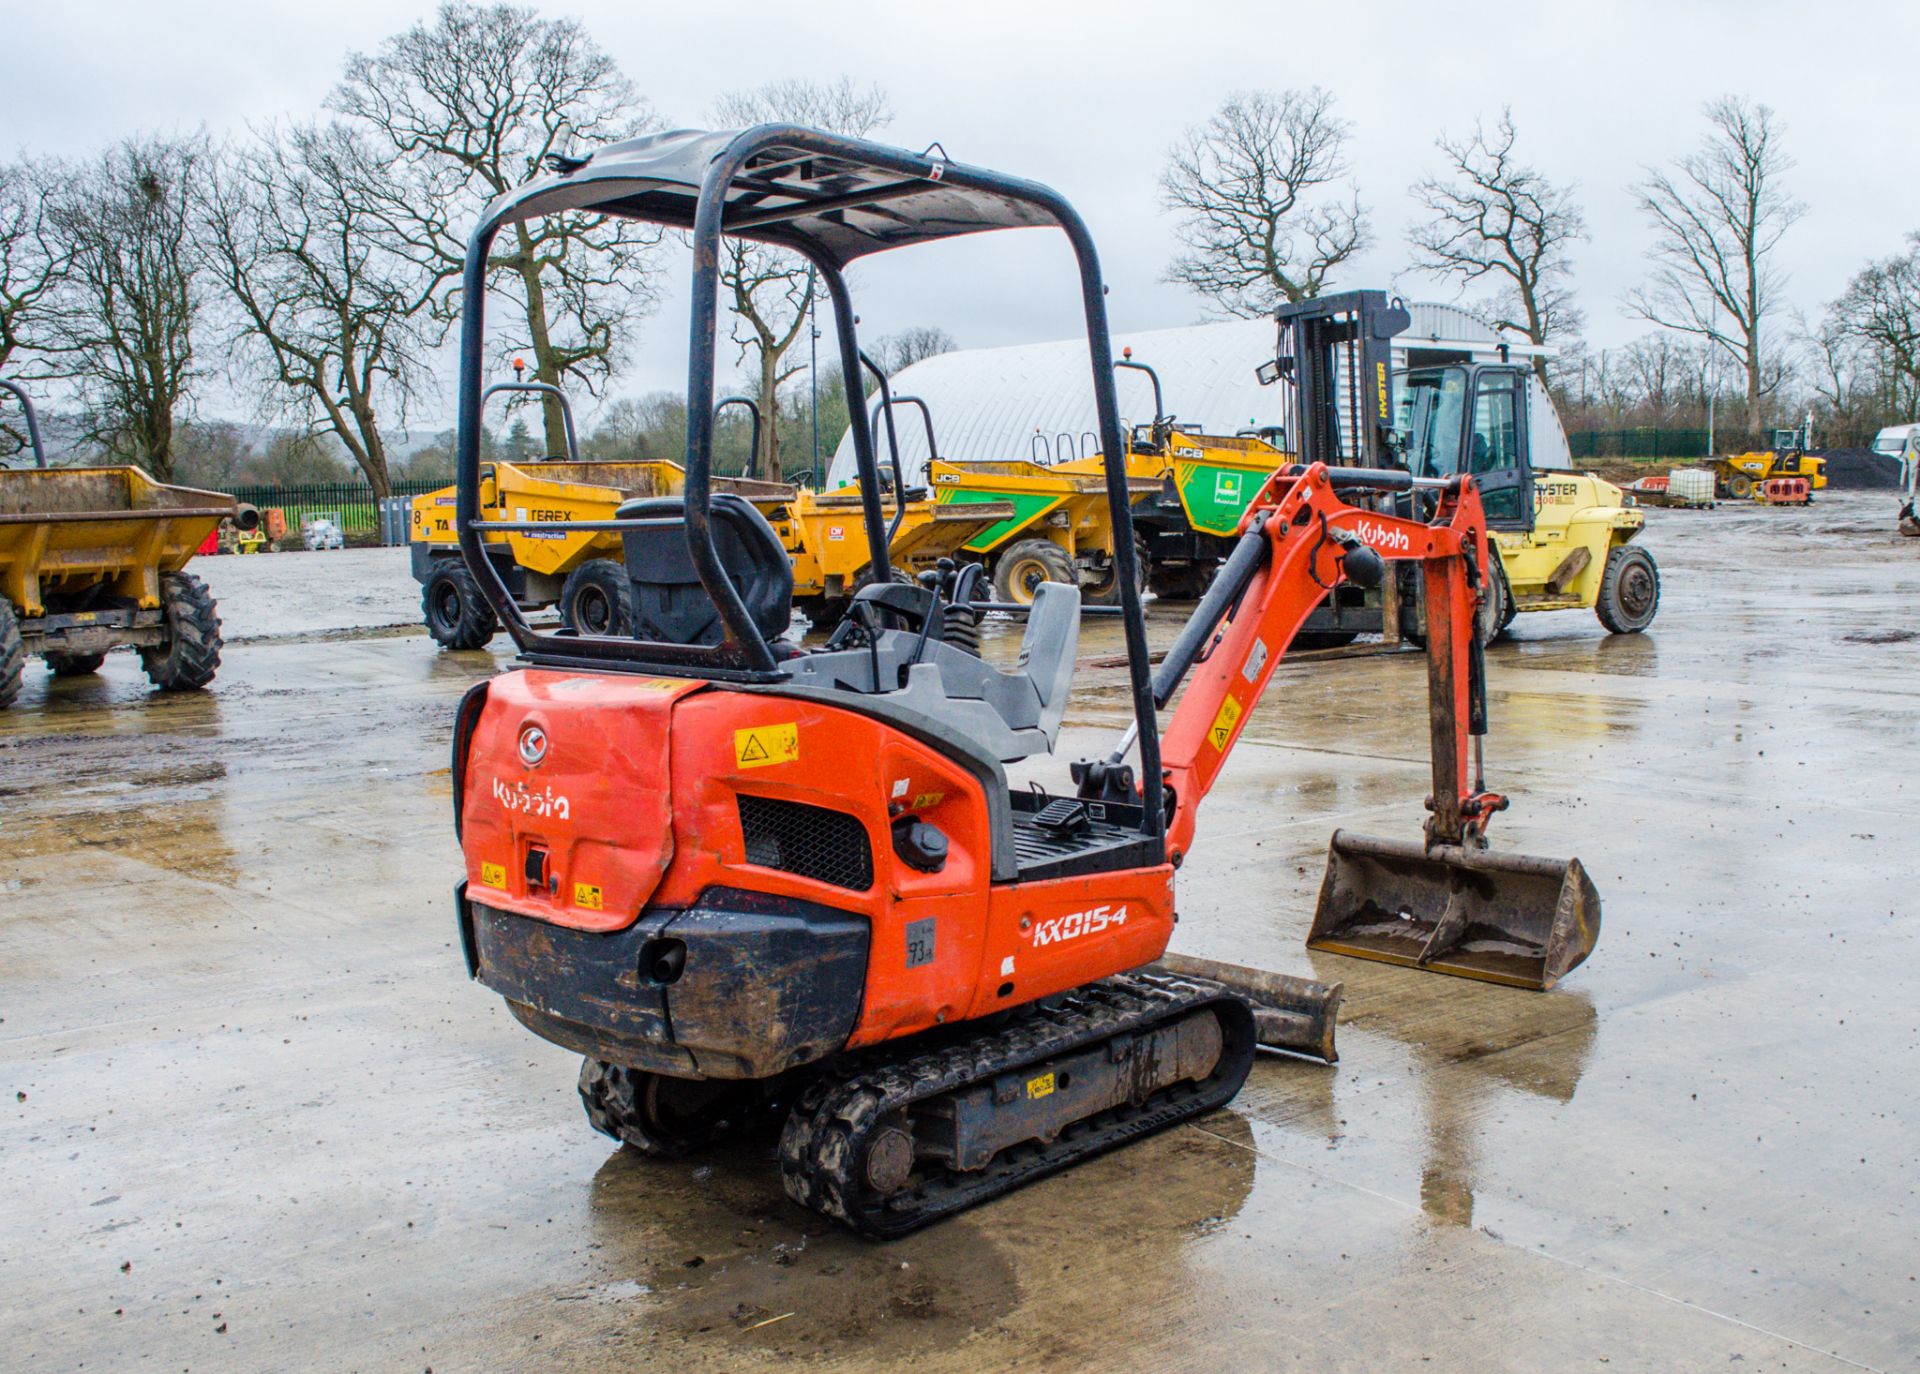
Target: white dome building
x,y
1036,400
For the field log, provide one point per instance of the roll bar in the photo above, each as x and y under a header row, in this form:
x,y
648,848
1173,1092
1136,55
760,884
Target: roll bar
x,y
753,412
33,421
893,448
830,199
926,420
543,389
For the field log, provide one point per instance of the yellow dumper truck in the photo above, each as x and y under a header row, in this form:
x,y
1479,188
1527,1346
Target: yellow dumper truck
x,y
93,559
581,571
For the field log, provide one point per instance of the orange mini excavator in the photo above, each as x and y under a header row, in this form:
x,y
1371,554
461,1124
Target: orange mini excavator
x,y
744,879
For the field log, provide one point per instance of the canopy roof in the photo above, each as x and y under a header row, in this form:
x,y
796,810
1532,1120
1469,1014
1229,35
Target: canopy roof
x,y
831,197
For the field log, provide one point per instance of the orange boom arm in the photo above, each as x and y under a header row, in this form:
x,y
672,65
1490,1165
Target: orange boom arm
x,y
1298,540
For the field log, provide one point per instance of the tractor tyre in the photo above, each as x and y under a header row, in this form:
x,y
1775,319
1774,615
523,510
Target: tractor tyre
x,y
13,654
597,599
1020,569
457,615
1739,486
661,1117
1629,591
73,665
191,655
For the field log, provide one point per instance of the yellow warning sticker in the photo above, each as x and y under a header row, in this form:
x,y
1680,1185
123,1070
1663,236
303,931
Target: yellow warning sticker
x,y
586,895
1039,1087
761,746
1222,728
493,875
926,799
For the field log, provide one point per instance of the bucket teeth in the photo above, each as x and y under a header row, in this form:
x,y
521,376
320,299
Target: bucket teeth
x,y
1476,913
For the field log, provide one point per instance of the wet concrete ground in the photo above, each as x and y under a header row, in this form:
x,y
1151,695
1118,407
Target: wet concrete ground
x,y
256,1117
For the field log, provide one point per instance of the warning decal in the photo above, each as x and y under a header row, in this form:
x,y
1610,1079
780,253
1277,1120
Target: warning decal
x,y
764,745
493,875
1222,728
587,895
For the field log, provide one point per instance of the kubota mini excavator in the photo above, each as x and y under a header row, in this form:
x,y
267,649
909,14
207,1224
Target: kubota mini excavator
x,y
740,878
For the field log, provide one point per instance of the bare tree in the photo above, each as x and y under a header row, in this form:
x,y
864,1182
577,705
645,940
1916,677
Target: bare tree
x,y
122,326
1495,217
1257,226
1654,370
325,306
31,266
770,289
1717,217
471,106
31,259
1880,309
897,352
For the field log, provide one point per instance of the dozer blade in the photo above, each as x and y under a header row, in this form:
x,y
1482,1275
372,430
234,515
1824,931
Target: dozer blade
x,y
1502,918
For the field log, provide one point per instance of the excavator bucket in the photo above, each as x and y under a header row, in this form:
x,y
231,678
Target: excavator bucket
x,y
1503,918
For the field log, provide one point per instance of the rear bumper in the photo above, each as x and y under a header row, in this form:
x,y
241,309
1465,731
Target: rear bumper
x,y
739,985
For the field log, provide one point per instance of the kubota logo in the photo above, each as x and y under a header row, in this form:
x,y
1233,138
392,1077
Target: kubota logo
x,y
1381,536
1090,922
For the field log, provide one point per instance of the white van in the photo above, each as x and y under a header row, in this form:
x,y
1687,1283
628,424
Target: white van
x,y
1898,441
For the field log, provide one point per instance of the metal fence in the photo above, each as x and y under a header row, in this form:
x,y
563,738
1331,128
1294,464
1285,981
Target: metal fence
x,y
1639,443
353,504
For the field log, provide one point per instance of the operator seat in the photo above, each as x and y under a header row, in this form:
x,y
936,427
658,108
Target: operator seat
x,y
669,603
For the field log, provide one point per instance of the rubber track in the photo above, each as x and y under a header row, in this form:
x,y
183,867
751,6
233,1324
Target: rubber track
x,y
823,1147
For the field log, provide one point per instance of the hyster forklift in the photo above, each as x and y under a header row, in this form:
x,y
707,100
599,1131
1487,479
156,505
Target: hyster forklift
x,y
751,883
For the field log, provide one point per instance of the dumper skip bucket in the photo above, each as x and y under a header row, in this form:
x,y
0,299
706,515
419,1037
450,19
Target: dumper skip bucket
x,y
1477,913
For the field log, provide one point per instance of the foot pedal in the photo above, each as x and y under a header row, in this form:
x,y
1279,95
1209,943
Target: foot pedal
x,y
1064,818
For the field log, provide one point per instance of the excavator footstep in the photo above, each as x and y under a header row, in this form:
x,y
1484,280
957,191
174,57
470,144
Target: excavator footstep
x,y
1477,913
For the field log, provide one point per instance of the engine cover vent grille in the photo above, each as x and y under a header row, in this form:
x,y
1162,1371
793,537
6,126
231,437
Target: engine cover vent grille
x,y
808,841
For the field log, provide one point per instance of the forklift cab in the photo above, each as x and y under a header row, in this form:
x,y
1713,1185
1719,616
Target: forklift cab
x,y
1471,418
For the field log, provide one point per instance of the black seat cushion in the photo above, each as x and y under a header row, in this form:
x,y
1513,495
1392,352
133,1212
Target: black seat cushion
x,y
669,604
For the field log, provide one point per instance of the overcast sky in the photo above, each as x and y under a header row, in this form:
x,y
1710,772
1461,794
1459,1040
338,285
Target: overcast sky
x,y
1087,97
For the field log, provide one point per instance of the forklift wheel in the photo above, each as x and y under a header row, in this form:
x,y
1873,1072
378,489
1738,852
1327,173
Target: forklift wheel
x,y
1629,591
1020,570
191,655
13,654
457,615
1495,615
597,599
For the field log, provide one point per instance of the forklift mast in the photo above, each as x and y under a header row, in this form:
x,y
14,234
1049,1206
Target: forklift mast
x,y
1338,352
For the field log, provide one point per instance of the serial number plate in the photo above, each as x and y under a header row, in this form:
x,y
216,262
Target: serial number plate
x,y
920,942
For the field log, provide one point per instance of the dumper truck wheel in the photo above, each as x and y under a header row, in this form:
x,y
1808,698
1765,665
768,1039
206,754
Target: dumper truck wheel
x,y
1181,581
457,615
1739,486
663,1117
13,655
1629,591
1020,570
74,665
1101,586
597,599
191,655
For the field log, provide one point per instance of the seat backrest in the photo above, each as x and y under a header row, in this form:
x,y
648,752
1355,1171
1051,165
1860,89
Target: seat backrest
x,y
1049,648
669,604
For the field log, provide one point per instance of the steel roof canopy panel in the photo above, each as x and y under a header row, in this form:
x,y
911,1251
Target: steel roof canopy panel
x,y
841,207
